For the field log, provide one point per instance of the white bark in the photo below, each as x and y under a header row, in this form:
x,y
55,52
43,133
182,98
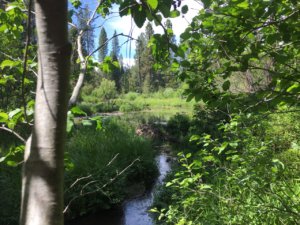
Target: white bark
x,y
83,63
42,187
79,83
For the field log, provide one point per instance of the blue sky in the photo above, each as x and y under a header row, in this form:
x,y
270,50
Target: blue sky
x,y
126,26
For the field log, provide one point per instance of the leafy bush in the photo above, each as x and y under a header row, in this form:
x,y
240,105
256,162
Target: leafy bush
x,y
87,108
131,107
235,177
106,91
169,93
105,107
178,126
131,96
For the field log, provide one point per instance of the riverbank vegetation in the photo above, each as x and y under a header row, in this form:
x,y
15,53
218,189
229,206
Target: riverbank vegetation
x,y
166,99
102,168
244,171
241,163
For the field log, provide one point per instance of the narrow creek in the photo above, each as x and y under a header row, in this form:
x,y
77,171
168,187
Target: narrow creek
x,y
133,211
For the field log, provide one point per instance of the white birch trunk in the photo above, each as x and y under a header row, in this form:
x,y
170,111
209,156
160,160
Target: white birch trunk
x,y
42,187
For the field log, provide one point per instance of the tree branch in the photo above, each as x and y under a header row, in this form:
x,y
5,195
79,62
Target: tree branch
x,y
28,33
103,186
14,133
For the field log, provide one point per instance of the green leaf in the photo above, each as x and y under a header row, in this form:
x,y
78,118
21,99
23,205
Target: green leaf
x,y
8,63
195,137
98,120
12,163
77,111
3,117
14,113
223,147
2,159
76,3
139,16
10,7
87,123
184,9
185,35
243,5
174,13
226,85
152,3
293,88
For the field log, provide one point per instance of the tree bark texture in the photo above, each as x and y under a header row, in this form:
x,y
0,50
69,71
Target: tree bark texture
x,y
42,178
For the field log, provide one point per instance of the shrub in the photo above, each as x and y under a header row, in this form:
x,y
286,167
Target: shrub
x,y
87,108
236,178
178,126
106,91
131,107
131,96
105,107
169,93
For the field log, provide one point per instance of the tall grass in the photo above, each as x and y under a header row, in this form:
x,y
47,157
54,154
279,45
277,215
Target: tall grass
x,y
97,158
93,159
165,99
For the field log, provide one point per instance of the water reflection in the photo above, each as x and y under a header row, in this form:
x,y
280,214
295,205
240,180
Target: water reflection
x,y
135,211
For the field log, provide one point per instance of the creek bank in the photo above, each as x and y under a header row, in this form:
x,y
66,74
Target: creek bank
x,y
133,211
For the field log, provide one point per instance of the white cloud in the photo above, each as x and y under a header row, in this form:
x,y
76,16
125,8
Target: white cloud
x,y
128,62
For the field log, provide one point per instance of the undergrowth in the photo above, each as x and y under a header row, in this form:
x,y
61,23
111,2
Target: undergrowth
x,y
239,170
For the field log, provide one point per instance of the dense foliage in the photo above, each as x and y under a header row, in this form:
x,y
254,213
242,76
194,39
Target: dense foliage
x,y
99,164
242,166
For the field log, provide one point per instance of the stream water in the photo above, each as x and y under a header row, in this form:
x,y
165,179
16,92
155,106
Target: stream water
x,y
133,211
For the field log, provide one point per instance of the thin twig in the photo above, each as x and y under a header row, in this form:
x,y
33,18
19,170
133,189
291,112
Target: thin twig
x,y
28,33
100,188
14,133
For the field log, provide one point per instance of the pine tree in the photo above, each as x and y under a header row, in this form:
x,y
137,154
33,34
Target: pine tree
x,y
103,44
115,48
169,79
150,81
88,36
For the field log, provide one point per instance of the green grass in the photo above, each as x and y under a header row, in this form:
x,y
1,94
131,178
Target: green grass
x,y
167,100
100,156
89,158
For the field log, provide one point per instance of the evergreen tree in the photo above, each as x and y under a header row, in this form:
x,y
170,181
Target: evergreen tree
x,y
149,31
169,78
140,49
115,48
83,16
103,42
116,73
150,81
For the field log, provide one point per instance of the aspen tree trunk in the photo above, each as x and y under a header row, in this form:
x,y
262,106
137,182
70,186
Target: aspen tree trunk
x,y
42,188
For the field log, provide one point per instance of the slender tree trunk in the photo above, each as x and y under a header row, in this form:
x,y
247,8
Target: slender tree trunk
x,y
76,91
42,188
